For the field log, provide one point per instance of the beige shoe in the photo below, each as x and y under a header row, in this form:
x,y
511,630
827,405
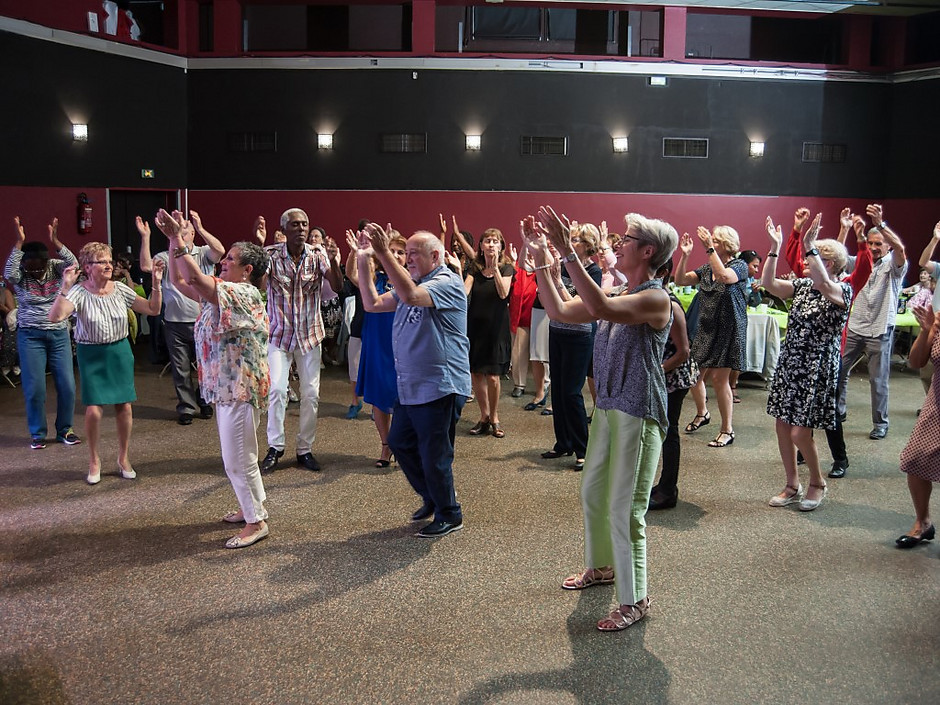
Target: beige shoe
x,y
783,499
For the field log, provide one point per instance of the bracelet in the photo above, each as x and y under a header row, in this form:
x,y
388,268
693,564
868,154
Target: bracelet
x,y
710,250
179,252
772,254
542,266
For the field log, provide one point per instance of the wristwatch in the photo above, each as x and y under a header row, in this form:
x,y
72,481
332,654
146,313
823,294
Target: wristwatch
x,y
571,257
709,250
882,227
812,253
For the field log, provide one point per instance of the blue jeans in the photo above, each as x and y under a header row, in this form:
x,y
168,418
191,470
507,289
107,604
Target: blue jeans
x,y
38,347
422,439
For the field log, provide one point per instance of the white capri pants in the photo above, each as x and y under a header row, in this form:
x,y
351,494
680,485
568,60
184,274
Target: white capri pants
x,y
238,436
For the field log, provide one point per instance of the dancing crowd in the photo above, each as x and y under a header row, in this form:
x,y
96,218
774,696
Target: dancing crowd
x,y
426,328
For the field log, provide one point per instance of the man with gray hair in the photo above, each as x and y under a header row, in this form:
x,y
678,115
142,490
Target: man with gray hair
x,y
432,365
295,277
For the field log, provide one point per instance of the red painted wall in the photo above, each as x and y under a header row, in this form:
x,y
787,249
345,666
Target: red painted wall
x,y
36,208
230,214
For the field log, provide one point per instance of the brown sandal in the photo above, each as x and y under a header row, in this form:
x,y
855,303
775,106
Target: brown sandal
x,y
497,431
588,577
624,616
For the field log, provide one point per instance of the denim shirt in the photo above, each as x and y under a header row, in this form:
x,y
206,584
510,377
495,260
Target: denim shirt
x,y
430,344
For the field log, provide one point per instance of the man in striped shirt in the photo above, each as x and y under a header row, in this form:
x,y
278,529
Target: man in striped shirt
x,y
295,278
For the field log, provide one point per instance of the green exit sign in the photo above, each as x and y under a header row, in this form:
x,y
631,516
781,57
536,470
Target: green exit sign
x,y
147,173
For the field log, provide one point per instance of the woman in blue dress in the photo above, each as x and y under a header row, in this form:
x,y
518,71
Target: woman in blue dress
x,y
376,383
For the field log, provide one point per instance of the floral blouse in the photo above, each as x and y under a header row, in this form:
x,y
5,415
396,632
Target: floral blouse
x,y
232,343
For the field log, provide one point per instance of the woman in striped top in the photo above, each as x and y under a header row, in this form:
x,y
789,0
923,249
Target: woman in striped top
x,y
105,359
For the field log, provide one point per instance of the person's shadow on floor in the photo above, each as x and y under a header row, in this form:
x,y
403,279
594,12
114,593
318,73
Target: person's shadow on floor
x,y
605,668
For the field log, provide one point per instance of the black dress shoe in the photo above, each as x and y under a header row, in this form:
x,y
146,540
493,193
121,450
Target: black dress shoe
x,y
908,541
424,512
838,468
206,411
185,420
533,405
552,454
666,503
439,528
878,433
270,460
306,460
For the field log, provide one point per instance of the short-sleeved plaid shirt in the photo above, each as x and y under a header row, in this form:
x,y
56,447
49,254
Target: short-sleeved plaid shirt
x,y
294,297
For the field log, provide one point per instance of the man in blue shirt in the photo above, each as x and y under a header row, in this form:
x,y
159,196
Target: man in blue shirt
x,y
432,366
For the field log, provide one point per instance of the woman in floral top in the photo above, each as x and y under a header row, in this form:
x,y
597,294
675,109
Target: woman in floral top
x,y
231,341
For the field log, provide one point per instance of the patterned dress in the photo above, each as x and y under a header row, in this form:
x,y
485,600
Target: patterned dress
x,y
921,455
803,391
232,342
721,337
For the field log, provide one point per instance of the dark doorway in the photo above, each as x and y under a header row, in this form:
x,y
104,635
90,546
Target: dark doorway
x,y
125,205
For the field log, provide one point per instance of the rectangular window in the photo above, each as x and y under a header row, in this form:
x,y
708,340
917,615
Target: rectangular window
x,y
252,142
819,153
540,146
685,148
395,143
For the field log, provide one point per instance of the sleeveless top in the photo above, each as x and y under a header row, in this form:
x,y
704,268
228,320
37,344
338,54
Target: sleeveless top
x,y
628,369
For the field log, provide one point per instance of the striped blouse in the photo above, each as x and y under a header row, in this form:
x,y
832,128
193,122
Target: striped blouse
x,y
101,318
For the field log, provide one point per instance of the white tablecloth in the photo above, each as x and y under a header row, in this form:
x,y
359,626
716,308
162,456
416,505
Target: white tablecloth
x,y
763,344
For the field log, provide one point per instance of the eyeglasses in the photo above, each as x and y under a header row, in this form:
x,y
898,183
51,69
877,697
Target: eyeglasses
x,y
102,261
576,240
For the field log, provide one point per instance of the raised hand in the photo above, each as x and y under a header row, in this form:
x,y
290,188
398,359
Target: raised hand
x,y
261,229
705,235
876,212
378,236
352,240
936,231
511,251
858,225
156,275
332,249
800,218
143,227
775,232
809,238
555,229
54,234
686,244
20,232
69,277
453,260
169,226
924,315
443,226
604,235
197,221
845,218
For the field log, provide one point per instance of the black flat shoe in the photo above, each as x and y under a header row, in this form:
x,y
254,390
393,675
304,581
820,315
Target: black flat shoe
x,y
533,405
481,428
908,541
424,511
665,503
552,454
838,469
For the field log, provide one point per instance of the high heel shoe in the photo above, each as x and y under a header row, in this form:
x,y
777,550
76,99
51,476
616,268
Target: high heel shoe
x,y
93,477
129,473
717,442
808,505
695,424
909,541
382,462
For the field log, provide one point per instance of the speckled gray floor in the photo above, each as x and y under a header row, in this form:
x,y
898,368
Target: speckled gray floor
x,y
123,593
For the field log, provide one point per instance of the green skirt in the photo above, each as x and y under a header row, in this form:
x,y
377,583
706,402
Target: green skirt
x,y
107,373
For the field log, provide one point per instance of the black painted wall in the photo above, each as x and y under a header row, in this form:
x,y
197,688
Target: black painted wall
x,y
589,109
148,115
135,110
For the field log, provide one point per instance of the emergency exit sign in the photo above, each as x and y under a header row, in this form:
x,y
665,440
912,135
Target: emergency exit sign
x,y
147,173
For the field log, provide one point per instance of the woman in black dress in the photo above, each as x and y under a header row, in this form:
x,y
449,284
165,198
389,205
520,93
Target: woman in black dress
x,y
488,284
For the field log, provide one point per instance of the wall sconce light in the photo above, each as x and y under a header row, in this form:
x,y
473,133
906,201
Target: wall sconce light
x,y
80,132
757,149
658,81
621,145
473,143
324,141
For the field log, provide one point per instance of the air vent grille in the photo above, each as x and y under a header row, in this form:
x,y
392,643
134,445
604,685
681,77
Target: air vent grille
x,y
819,153
685,148
252,142
395,143
541,146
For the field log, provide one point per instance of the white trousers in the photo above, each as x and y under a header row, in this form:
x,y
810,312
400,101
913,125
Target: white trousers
x,y
238,435
308,368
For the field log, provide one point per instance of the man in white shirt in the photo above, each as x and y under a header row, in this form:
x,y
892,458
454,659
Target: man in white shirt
x,y
871,323
180,313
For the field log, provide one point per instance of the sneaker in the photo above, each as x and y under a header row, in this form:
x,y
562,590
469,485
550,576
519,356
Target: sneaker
x,y
353,410
69,438
37,443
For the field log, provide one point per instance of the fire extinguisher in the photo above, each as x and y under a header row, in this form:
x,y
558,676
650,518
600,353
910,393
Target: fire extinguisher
x,y
84,214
